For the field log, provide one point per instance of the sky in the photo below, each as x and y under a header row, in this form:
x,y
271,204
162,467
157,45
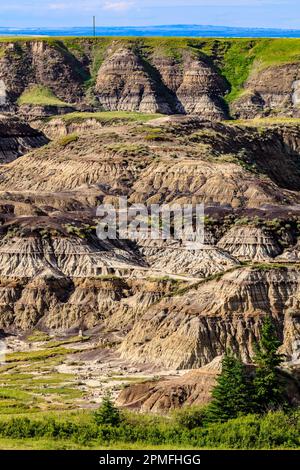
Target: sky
x,y
60,13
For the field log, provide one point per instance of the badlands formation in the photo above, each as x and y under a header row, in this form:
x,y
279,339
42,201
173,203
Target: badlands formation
x,y
82,124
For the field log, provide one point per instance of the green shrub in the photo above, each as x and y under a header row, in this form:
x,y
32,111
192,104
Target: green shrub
x,y
64,141
190,417
108,413
271,431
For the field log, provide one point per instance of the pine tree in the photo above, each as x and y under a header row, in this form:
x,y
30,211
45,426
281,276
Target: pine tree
x,y
232,396
108,413
269,389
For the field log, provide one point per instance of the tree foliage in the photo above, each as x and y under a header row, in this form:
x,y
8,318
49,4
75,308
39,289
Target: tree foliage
x,y
240,391
108,413
269,387
233,394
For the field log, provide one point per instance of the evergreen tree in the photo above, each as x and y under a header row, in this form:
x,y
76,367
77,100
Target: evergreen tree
x,y
269,389
232,396
108,413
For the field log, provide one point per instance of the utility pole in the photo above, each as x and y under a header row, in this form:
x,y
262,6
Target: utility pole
x,y
94,25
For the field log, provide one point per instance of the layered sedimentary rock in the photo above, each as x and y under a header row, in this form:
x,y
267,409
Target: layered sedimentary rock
x,y
189,330
173,258
28,256
17,138
291,254
250,243
192,76
201,90
153,166
124,84
266,94
39,62
167,307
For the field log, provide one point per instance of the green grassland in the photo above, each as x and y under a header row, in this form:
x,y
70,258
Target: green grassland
x,y
39,95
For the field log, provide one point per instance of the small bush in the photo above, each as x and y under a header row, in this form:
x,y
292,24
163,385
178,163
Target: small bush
x,y
190,417
64,141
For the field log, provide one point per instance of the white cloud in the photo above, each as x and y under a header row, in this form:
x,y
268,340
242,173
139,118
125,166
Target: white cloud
x,y
58,6
117,6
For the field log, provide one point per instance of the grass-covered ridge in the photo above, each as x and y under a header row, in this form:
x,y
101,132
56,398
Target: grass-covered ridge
x,y
39,95
108,117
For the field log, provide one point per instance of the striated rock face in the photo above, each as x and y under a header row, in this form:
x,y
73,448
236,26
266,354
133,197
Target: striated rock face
x,y
189,181
201,91
132,162
176,259
196,85
37,62
250,243
290,254
189,76
192,76
164,306
267,95
17,138
190,330
124,84
29,256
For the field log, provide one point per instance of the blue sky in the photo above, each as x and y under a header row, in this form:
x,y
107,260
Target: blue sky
x,y
252,13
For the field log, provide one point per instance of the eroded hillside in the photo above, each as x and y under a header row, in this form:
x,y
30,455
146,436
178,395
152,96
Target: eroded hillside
x,y
144,305
212,78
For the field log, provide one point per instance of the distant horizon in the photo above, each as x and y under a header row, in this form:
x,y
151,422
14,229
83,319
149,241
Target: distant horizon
x,y
177,25
175,30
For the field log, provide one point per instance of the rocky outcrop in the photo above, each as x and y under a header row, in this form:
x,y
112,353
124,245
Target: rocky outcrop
x,y
127,82
166,395
52,65
17,138
290,254
173,258
190,330
28,256
189,77
201,90
266,95
124,84
250,243
166,307
135,164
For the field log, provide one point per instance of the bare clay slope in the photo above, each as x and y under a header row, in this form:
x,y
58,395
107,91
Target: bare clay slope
x,y
157,162
153,303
